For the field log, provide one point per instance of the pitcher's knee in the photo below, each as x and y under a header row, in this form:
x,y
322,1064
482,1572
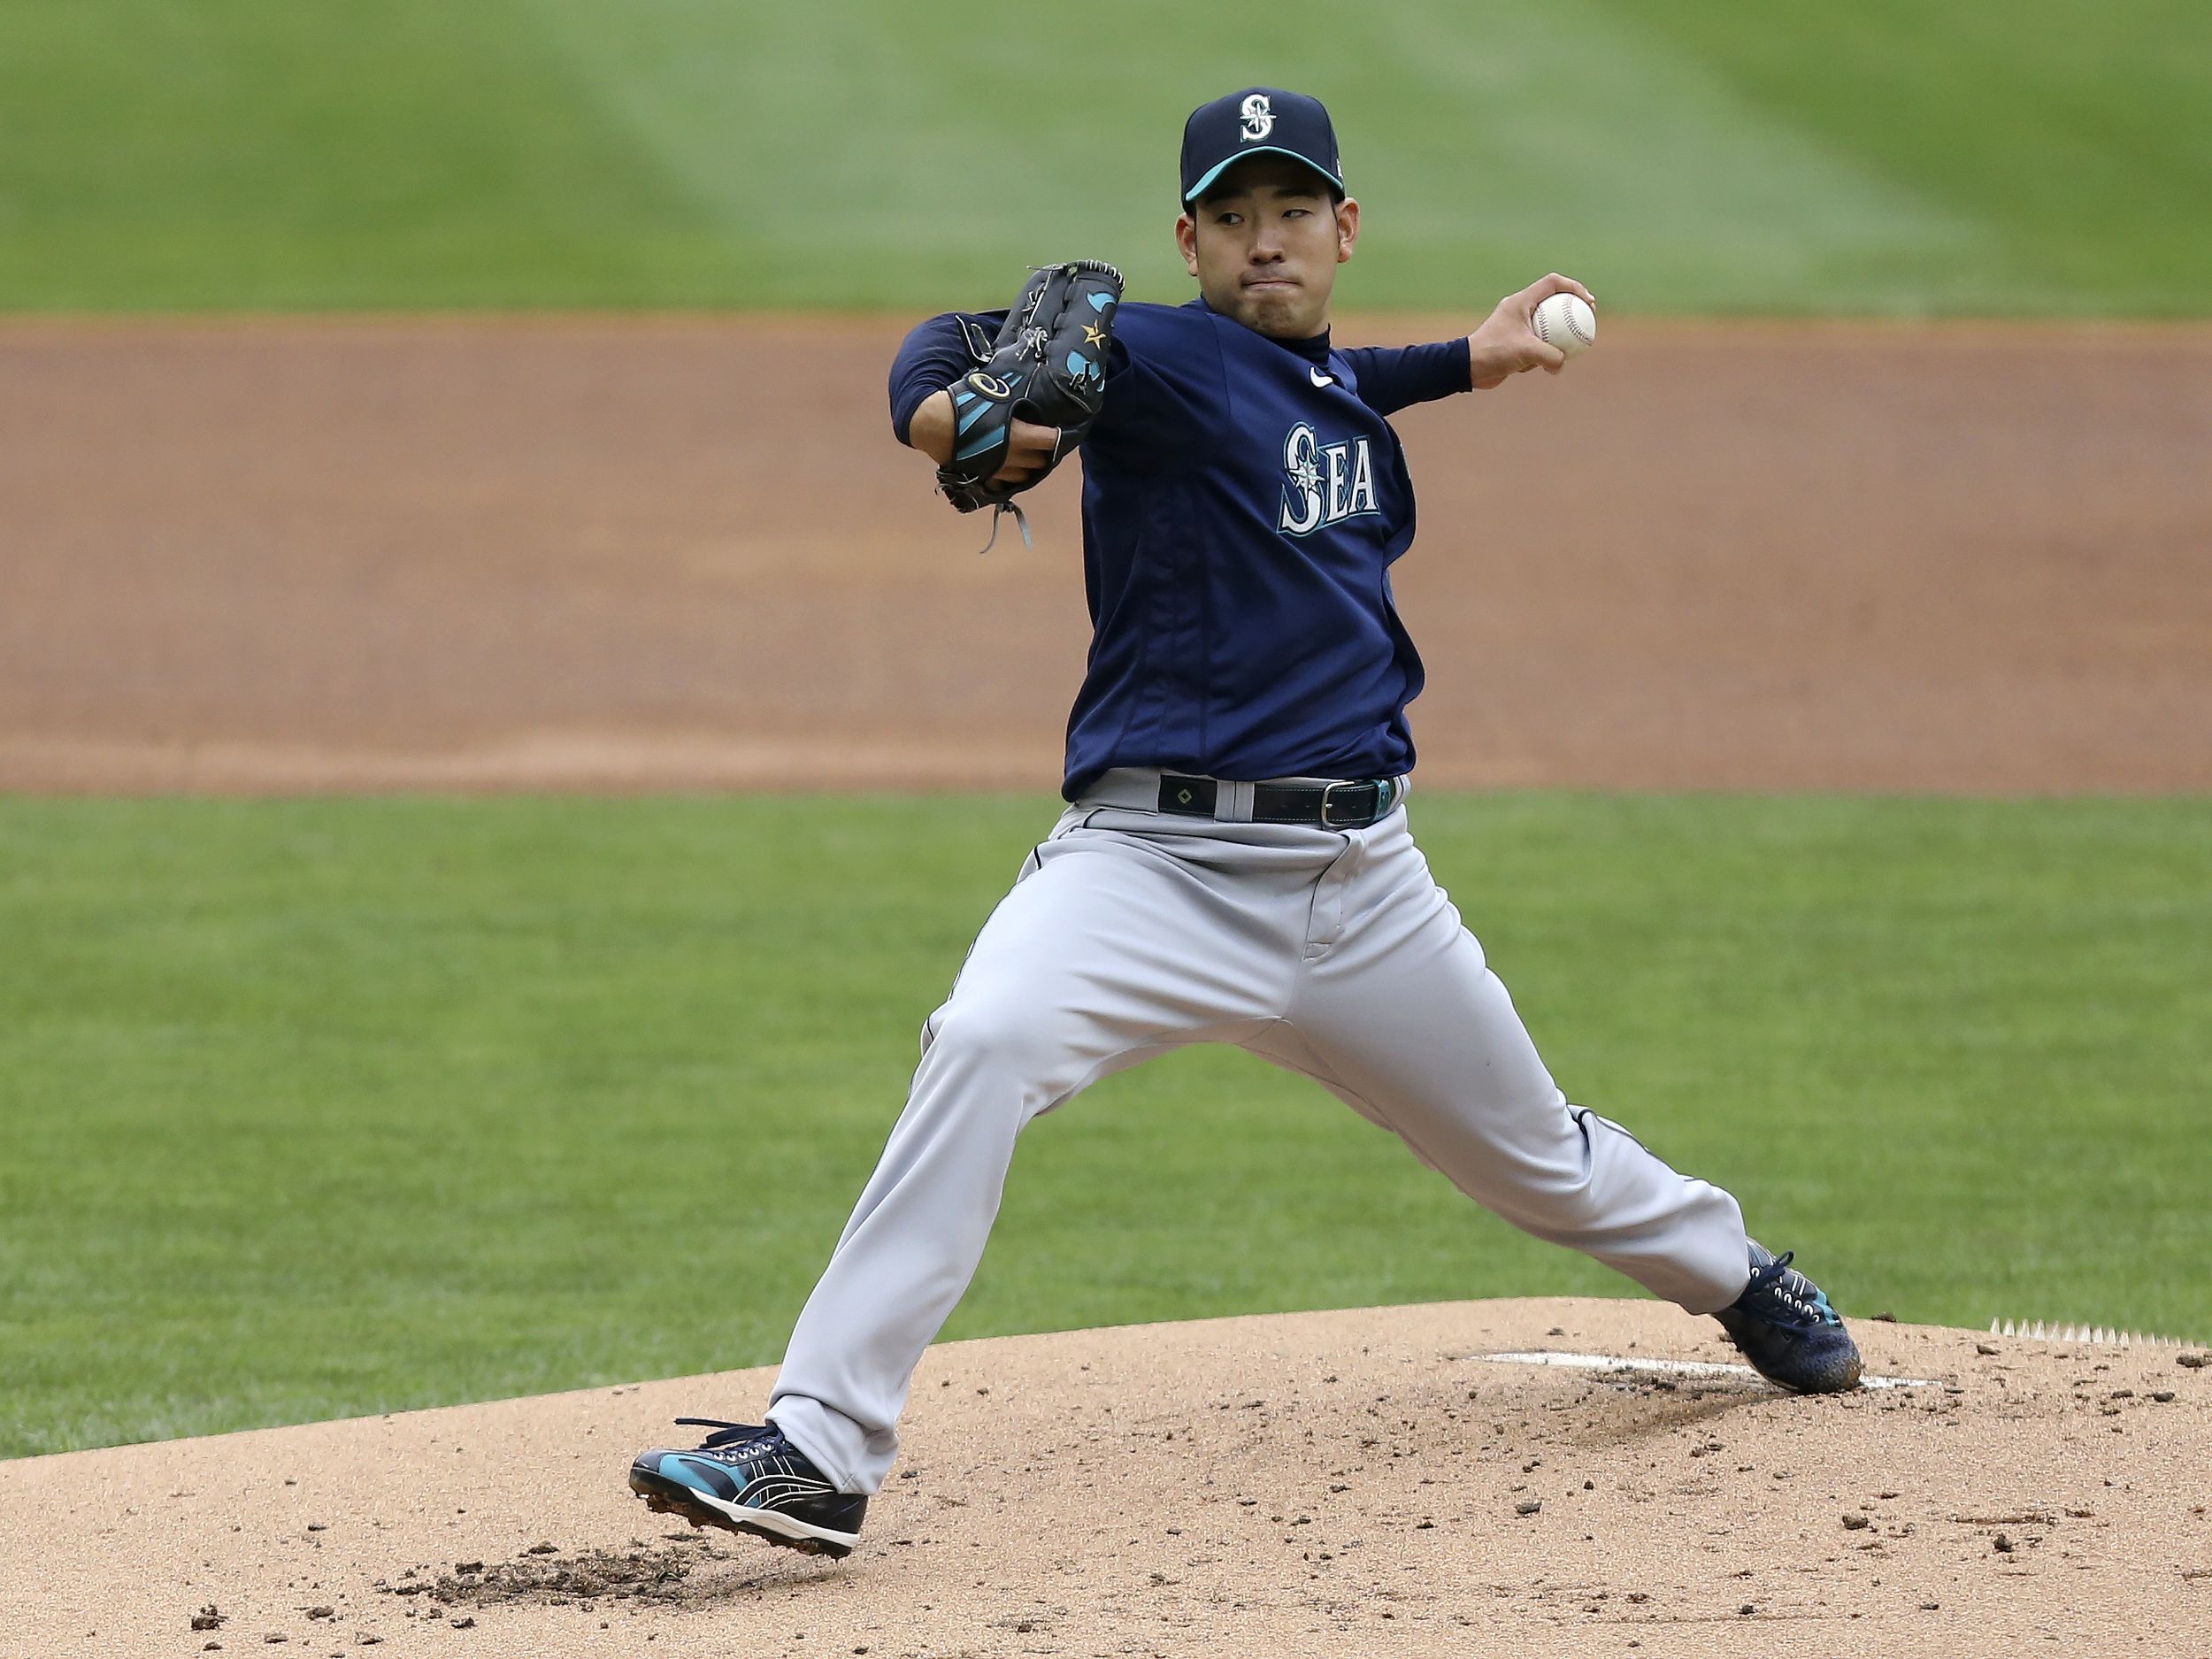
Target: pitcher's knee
x,y
999,1035
1569,1215
1559,1195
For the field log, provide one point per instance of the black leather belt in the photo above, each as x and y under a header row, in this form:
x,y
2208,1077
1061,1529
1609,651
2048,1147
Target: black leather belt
x,y
1330,806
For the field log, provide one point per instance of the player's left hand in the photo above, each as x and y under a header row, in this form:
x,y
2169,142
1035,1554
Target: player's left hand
x,y
1031,451
1044,384
1506,344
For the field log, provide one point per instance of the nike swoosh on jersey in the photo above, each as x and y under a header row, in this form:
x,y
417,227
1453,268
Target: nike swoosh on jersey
x,y
1321,377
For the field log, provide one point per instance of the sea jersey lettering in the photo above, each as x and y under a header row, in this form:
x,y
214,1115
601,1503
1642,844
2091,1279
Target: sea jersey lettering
x,y
1324,484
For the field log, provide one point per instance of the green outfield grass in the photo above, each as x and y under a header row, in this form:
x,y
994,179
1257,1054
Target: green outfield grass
x,y
333,1107
1899,157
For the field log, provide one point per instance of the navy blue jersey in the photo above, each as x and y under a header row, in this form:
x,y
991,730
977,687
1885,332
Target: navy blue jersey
x,y
1243,500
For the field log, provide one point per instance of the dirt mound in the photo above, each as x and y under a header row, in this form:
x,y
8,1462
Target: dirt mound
x,y
1372,1481
644,553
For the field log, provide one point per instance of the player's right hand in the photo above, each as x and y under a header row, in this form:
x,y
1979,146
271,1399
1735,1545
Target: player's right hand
x,y
1506,344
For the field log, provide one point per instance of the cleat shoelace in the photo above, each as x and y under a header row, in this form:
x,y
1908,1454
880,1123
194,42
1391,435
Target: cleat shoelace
x,y
1782,1297
763,1435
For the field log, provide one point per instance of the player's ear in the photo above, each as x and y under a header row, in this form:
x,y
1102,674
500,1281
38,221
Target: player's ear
x,y
1187,238
1346,228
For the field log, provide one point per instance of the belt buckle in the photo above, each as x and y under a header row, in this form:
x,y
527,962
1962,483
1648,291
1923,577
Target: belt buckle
x,y
1356,820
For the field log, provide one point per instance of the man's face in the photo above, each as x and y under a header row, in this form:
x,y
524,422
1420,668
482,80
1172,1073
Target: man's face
x,y
1264,244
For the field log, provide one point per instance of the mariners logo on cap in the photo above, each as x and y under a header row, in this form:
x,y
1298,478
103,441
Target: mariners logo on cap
x,y
1259,117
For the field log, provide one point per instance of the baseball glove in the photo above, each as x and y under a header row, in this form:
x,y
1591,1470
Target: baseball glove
x,y
1047,365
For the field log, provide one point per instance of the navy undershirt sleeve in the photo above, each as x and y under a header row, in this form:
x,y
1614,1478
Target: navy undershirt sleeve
x,y
932,357
1392,377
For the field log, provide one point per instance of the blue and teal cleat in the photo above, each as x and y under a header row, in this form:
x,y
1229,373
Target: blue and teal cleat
x,y
1785,1328
746,1476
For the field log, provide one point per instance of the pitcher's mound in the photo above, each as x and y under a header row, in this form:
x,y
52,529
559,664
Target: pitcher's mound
x,y
1367,1482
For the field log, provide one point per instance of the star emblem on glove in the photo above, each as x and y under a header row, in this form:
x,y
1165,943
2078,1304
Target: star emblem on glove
x,y
1092,335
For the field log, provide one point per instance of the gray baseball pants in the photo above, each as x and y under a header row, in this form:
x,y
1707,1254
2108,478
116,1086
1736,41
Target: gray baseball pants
x,y
1129,932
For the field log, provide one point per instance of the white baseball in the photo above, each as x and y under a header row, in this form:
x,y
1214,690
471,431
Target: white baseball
x,y
1566,320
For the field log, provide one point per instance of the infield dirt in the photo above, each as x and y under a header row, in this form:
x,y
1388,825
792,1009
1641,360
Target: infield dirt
x,y
595,554
1362,1482
675,552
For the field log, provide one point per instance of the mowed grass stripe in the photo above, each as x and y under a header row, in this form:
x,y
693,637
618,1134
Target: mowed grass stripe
x,y
1890,159
263,154
2072,135
1494,146
315,1107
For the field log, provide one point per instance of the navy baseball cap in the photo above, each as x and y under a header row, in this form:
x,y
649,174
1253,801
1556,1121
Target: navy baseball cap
x,y
1257,121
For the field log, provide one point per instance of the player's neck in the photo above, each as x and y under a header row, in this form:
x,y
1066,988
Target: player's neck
x,y
1315,348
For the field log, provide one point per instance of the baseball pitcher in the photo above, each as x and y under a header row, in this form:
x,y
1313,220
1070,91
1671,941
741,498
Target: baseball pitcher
x,y
1234,863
